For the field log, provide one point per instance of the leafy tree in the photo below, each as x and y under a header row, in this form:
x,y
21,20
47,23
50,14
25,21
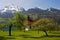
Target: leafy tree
x,y
2,25
19,20
45,24
31,19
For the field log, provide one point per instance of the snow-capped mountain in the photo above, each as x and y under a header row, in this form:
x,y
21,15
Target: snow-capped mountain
x,y
9,8
8,11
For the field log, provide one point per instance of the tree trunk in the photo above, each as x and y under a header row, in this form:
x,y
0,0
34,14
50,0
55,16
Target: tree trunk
x,y
24,29
46,33
30,27
10,30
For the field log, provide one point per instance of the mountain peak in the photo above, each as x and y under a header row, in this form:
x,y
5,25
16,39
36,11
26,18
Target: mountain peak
x,y
10,8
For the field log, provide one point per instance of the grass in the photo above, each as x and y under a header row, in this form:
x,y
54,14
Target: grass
x,y
29,35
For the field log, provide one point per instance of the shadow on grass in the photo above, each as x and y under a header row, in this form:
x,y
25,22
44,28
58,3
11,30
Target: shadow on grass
x,y
9,37
43,36
5,38
55,33
24,35
2,38
53,36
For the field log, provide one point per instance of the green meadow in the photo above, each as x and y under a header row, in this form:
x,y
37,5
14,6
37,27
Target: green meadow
x,y
30,35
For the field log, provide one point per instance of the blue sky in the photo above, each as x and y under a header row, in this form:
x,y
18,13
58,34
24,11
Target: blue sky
x,y
32,3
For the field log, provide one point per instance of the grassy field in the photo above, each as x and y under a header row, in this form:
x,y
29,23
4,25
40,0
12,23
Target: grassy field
x,y
30,35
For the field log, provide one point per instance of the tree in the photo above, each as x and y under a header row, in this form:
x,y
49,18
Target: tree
x,y
18,20
31,19
10,26
2,25
45,24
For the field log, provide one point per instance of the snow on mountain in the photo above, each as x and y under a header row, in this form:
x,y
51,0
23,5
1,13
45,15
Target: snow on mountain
x,y
9,8
9,11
